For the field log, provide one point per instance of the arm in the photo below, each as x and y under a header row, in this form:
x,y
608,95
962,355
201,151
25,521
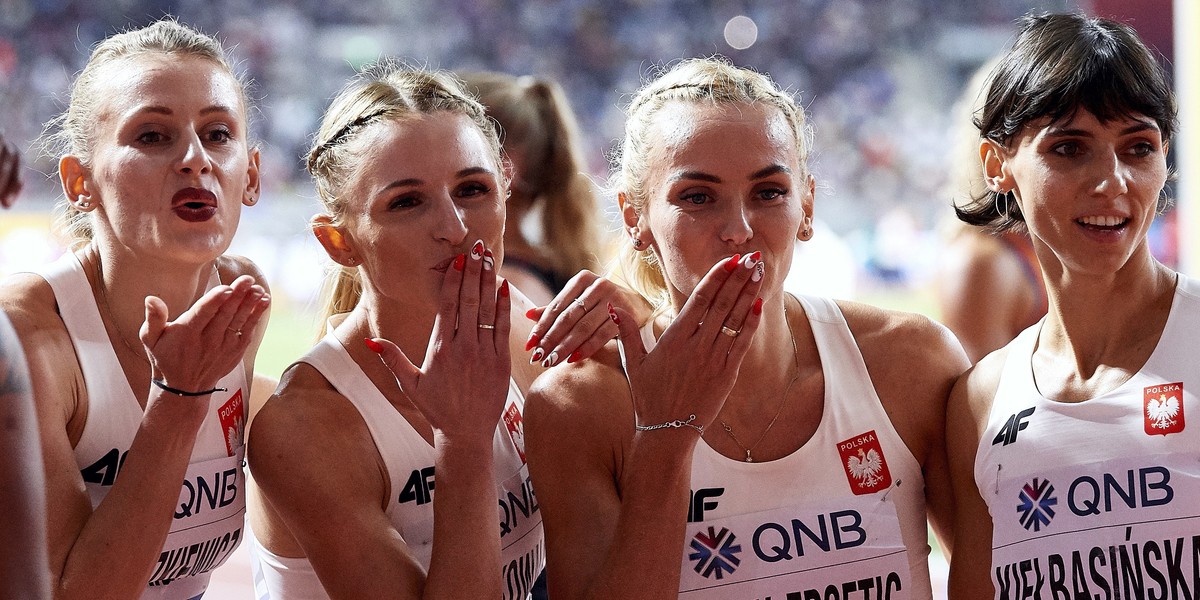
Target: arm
x,y
966,419
23,566
614,501
191,353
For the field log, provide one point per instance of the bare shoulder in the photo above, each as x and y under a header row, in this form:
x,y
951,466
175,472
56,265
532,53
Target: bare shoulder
x,y
29,302
903,341
587,400
976,388
232,266
306,420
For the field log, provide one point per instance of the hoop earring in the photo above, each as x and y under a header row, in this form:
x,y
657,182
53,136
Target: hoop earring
x,y
1003,212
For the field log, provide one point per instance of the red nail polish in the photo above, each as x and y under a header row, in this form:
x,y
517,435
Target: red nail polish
x,y
531,314
460,261
757,256
375,346
757,308
573,357
612,314
504,289
533,341
477,249
732,262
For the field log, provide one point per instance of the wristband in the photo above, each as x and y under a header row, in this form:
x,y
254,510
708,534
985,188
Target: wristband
x,y
166,388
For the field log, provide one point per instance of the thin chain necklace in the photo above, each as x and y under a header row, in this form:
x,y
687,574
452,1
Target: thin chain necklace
x,y
109,313
782,401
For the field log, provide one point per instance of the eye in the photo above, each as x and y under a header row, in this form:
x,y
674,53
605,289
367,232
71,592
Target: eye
x,y
772,194
696,198
473,189
1143,149
219,135
404,201
1067,149
151,137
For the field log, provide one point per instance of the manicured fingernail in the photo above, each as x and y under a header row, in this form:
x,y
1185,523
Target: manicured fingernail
x,y
732,262
574,357
531,314
612,314
533,341
757,308
750,260
477,250
550,360
504,289
375,346
759,270
460,261
538,353
488,261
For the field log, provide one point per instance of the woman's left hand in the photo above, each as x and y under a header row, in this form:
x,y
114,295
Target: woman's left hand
x,y
576,324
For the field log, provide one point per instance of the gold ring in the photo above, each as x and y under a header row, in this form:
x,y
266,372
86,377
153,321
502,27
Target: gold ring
x,y
486,326
730,332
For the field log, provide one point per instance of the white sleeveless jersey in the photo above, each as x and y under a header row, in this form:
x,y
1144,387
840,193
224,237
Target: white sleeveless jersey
x,y
1101,498
843,517
210,512
409,461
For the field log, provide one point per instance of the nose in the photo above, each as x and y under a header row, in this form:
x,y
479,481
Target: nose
x,y
1112,176
195,158
451,222
736,230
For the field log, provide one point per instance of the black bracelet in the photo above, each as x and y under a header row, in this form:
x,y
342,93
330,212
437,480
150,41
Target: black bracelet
x,y
166,388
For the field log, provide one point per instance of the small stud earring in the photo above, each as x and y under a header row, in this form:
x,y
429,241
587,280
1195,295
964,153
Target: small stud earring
x,y
84,204
637,243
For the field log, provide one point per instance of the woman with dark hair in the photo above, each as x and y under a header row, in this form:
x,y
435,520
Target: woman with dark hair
x,y
1073,468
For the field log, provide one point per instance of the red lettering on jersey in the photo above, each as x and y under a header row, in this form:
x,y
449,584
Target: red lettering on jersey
x,y
233,422
516,429
865,466
1162,408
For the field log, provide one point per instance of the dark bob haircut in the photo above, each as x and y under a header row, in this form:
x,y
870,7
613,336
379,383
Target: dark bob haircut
x,y
1058,65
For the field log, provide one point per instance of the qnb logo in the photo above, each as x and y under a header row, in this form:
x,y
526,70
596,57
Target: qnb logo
x,y
1037,504
715,554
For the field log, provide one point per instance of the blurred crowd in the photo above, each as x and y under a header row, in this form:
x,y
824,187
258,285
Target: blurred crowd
x,y
878,77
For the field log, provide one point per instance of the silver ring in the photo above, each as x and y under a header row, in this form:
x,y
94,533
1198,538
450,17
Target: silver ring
x,y
236,331
486,326
579,301
730,332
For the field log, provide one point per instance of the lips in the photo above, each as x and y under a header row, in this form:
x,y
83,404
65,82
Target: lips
x,y
194,205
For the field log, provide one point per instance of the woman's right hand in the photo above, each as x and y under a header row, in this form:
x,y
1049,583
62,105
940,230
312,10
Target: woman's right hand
x,y
462,385
695,363
193,352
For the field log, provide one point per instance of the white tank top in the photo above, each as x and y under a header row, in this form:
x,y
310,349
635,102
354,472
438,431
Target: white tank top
x,y
1099,498
841,517
212,502
409,461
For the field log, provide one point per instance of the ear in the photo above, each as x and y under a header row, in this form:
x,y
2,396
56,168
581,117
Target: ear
x,y
253,181
334,240
635,222
996,171
805,232
77,183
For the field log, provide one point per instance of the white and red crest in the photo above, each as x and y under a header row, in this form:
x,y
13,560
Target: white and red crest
x,y
1162,408
866,467
516,429
233,422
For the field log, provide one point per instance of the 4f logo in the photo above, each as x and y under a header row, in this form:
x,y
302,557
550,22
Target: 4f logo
x,y
703,499
1162,408
1016,423
104,471
419,487
715,554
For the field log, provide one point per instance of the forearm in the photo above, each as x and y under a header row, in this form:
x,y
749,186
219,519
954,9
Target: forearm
x,y
648,538
465,562
116,550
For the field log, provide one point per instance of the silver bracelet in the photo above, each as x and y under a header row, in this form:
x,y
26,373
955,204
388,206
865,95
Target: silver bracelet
x,y
677,423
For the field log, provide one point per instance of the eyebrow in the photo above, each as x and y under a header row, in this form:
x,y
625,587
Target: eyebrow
x,y
759,174
1139,126
163,110
414,181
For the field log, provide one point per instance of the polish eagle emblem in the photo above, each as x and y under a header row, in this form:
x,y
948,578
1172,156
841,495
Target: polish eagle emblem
x,y
1162,411
866,467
